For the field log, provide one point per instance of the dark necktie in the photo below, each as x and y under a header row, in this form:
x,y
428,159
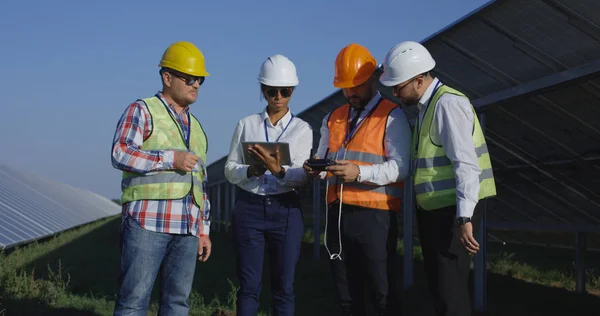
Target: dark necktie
x,y
355,119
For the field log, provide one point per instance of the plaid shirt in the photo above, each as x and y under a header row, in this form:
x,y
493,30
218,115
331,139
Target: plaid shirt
x,y
164,216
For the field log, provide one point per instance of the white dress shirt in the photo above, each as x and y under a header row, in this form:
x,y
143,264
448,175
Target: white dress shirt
x,y
452,128
397,147
298,134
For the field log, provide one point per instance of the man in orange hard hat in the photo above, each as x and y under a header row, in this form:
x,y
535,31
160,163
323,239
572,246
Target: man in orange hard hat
x,y
369,138
161,149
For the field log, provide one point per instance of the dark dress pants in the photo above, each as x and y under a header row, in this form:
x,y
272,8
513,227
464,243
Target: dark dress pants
x,y
273,222
368,264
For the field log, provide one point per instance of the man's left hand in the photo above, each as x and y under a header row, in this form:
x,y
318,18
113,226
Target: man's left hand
x,y
345,170
466,238
204,247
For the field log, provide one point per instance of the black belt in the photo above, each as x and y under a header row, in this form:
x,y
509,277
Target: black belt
x,y
286,198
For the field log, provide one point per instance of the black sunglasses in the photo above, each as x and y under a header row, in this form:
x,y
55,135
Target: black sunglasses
x,y
285,92
189,80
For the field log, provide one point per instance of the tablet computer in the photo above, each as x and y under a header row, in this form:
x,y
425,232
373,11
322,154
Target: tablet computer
x,y
284,152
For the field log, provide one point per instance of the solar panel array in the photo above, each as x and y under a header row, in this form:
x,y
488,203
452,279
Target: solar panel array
x,y
32,207
545,146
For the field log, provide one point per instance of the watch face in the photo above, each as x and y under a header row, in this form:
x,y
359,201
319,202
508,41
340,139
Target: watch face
x,y
463,220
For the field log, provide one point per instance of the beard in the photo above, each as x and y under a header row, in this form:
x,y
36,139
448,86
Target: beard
x,y
358,102
412,99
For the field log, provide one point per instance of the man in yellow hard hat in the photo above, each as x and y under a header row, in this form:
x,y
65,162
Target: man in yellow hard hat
x,y
369,138
161,149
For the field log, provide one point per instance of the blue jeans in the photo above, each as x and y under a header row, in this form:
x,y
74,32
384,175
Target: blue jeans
x,y
143,253
274,222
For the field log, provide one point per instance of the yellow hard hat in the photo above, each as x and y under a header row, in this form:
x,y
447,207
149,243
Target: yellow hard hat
x,y
184,57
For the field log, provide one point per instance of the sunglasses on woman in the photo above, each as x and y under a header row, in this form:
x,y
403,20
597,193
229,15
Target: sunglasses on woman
x,y
285,92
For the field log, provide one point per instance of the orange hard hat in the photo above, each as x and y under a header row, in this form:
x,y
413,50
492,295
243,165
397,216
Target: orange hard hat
x,y
353,66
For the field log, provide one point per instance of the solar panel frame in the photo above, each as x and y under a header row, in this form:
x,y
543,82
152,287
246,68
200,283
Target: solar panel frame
x,y
549,140
32,207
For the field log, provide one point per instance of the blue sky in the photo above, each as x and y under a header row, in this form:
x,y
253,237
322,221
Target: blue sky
x,y
71,67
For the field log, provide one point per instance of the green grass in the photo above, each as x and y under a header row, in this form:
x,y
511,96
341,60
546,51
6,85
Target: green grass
x,y
75,273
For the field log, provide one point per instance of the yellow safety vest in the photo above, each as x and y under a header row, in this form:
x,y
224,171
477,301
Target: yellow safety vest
x,y
434,178
166,134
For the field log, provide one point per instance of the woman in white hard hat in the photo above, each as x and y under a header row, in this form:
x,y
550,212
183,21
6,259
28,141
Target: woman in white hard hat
x,y
267,212
452,173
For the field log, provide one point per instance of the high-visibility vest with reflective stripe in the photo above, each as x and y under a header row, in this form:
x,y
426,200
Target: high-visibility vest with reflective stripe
x,y
365,148
434,178
166,134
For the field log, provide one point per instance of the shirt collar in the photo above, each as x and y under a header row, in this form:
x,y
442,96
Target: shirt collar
x,y
428,94
371,103
162,98
283,121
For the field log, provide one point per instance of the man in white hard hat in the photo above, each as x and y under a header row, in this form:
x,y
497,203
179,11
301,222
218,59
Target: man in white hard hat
x,y
452,172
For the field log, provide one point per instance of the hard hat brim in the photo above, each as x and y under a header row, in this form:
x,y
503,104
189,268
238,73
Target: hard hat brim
x,y
349,83
278,83
388,82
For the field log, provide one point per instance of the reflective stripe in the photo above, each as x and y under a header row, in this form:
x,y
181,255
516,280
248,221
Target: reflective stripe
x,y
427,187
360,156
443,161
481,150
159,178
197,183
394,191
364,157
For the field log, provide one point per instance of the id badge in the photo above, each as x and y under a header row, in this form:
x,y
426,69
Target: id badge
x,y
269,183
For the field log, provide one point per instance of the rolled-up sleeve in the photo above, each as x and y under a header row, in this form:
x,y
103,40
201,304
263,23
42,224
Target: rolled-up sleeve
x,y
454,119
235,171
397,150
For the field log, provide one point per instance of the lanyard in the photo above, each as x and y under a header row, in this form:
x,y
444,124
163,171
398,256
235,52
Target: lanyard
x,y
437,85
286,127
350,133
185,137
418,127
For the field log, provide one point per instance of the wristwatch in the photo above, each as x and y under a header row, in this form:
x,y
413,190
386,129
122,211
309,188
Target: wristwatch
x,y
463,220
281,173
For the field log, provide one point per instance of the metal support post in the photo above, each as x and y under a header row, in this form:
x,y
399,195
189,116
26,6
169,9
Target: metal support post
x,y
218,210
316,218
580,241
409,209
480,269
232,189
227,206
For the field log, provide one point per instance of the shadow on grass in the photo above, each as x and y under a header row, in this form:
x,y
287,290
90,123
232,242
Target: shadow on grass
x,y
27,307
92,263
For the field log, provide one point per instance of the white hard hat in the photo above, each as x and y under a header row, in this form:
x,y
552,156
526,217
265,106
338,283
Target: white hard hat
x,y
405,61
278,71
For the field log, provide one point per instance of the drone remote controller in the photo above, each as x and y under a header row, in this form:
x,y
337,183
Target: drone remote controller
x,y
320,164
